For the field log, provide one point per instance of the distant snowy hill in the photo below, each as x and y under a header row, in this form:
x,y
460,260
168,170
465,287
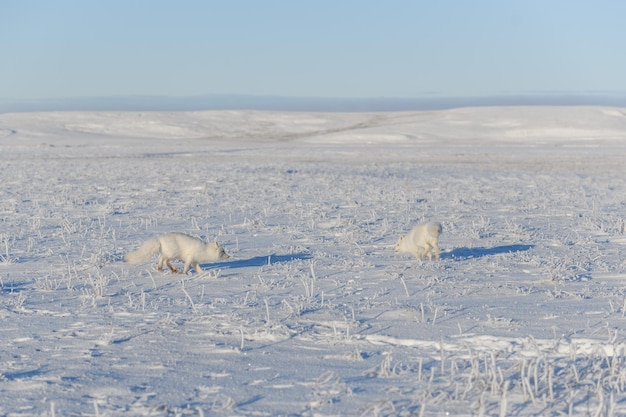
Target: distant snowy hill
x,y
505,125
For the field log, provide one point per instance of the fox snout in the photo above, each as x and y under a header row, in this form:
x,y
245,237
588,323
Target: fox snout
x,y
224,255
398,246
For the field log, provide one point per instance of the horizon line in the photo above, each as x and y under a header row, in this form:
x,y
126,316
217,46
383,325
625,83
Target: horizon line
x,y
306,103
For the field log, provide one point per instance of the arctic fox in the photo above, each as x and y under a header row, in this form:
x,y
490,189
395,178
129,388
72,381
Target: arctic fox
x,y
421,240
175,245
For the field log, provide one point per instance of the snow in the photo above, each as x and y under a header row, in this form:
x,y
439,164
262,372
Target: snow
x,y
315,314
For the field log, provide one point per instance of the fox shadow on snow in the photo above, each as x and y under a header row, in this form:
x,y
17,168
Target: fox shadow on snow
x,y
469,253
260,260
458,254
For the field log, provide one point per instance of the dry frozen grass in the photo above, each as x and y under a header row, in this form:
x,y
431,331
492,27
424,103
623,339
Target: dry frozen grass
x,y
314,314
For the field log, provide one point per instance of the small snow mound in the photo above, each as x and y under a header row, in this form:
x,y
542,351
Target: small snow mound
x,y
6,132
614,112
368,138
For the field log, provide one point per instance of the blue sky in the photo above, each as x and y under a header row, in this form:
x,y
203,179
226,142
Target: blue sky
x,y
321,48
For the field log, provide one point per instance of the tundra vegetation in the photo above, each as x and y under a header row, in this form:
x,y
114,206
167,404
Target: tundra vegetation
x,y
314,313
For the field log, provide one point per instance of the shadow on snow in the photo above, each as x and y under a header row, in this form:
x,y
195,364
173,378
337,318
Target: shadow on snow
x,y
469,253
13,287
259,260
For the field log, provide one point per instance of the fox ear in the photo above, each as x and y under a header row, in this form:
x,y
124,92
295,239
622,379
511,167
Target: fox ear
x,y
215,245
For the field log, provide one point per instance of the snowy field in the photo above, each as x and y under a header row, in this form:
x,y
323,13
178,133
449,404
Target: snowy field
x,y
314,314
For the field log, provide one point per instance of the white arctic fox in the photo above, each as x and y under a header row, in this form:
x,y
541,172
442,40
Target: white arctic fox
x,y
177,246
421,240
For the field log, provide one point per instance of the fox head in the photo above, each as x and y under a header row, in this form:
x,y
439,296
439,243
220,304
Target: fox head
x,y
221,252
400,244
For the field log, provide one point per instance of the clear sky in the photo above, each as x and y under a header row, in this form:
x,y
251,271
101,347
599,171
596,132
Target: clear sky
x,y
316,48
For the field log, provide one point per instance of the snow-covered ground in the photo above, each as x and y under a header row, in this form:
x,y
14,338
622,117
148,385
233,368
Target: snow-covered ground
x,y
314,314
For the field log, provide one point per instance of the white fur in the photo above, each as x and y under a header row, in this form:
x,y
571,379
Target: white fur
x,y
175,245
421,240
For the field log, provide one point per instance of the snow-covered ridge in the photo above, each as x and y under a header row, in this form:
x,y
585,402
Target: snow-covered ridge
x,y
504,125
175,125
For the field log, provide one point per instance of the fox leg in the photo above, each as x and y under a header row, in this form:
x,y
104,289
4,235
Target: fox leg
x,y
427,253
436,249
163,260
169,265
196,266
174,270
160,264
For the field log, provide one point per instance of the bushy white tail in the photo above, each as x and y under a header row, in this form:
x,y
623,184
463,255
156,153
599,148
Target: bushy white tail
x,y
144,253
